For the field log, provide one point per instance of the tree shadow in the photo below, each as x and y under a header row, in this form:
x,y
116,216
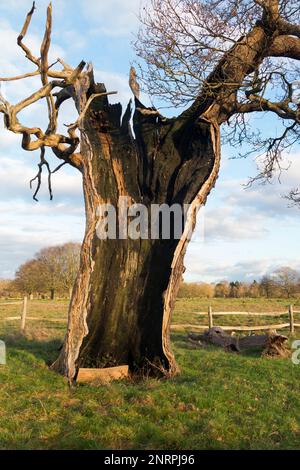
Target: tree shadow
x,y
45,350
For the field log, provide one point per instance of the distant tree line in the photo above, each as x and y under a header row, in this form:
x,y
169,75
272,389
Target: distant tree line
x,y
283,282
52,271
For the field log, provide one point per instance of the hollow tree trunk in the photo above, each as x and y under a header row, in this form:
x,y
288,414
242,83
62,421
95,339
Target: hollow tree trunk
x,y
125,291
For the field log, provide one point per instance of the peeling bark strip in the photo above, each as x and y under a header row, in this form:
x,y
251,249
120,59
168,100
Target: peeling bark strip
x,y
177,264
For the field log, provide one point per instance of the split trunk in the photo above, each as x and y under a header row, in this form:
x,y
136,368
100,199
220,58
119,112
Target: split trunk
x,y
123,298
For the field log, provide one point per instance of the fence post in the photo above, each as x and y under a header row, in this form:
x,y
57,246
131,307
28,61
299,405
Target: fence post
x,y
24,313
291,317
210,317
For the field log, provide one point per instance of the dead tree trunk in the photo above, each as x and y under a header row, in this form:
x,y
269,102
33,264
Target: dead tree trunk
x,y
124,295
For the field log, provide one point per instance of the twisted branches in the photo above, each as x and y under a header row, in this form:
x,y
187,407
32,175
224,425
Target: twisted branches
x,y
34,138
66,80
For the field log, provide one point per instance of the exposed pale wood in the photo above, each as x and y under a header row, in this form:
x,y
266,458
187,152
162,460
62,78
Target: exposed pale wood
x,y
102,375
177,263
63,146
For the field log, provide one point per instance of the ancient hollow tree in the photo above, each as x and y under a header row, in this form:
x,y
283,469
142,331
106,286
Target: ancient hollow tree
x,y
125,290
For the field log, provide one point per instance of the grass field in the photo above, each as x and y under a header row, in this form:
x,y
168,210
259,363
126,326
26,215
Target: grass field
x,y
219,401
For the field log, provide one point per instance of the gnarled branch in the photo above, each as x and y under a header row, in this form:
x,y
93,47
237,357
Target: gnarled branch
x,y
35,138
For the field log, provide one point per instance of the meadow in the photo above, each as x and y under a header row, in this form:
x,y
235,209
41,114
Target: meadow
x,y
219,401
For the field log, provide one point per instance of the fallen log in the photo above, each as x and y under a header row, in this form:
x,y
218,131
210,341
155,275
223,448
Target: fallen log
x,y
271,344
216,336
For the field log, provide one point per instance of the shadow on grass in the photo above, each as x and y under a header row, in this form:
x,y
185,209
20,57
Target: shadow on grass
x,y
47,351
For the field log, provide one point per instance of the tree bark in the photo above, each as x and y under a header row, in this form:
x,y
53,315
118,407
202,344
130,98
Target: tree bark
x,y
125,291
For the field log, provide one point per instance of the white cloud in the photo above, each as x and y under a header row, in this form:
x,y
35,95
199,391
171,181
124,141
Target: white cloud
x,y
15,176
228,223
113,18
236,222
216,270
27,226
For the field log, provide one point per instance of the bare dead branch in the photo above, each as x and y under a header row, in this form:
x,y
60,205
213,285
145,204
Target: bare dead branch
x,y
72,127
23,33
133,83
38,177
19,77
44,68
34,138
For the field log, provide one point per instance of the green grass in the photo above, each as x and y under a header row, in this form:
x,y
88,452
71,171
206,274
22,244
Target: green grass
x,y
219,401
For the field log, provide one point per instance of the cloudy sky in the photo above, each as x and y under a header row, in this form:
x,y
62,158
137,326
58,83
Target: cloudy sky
x,y
241,234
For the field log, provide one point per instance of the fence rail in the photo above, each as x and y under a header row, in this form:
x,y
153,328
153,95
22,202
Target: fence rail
x,y
210,314
12,303
23,317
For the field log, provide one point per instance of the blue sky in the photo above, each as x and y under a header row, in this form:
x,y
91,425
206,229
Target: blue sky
x,y
246,232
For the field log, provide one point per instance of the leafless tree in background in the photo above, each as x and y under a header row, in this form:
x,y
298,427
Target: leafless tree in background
x,y
287,279
53,269
193,48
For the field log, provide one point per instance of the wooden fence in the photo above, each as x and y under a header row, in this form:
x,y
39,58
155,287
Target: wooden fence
x,y
289,323
210,314
23,317
23,313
